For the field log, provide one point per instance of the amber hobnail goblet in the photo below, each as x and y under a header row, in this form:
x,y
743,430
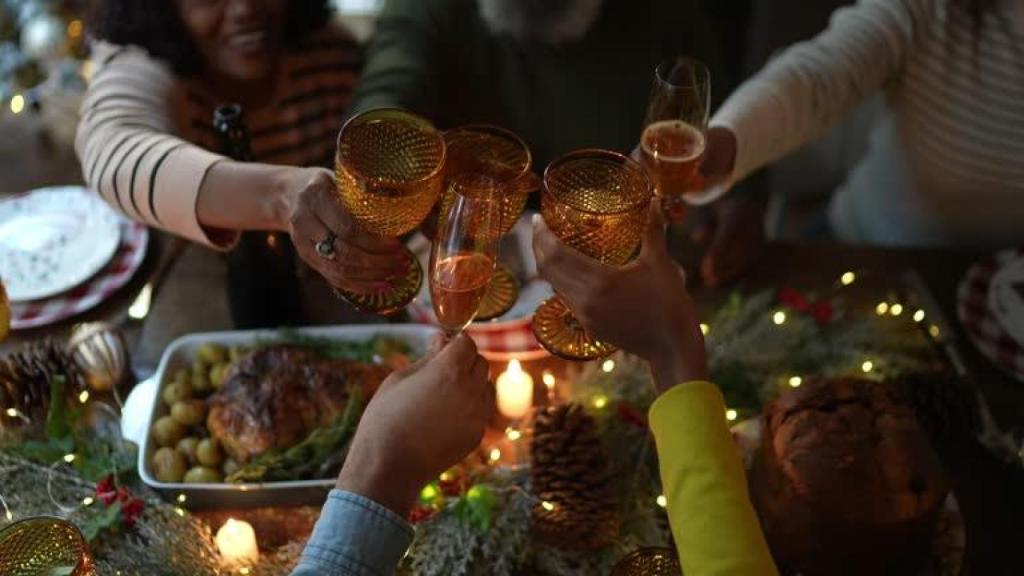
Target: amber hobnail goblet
x,y
497,154
44,545
504,158
649,562
596,202
389,169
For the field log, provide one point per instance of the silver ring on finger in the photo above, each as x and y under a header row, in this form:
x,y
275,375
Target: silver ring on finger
x,y
325,248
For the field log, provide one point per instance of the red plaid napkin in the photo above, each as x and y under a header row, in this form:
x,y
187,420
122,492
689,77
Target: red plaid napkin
x,y
977,317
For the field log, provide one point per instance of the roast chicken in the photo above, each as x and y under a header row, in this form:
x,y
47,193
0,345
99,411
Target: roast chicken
x,y
276,396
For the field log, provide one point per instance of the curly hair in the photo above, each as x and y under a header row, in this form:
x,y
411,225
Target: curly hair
x,y
156,26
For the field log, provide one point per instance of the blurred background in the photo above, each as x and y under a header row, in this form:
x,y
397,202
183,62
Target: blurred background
x,y
44,70
43,73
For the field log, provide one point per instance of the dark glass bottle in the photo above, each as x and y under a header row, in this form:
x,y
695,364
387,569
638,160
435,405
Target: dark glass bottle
x,y
263,286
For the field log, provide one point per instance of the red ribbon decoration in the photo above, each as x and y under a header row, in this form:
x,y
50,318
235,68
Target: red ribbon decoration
x,y
821,310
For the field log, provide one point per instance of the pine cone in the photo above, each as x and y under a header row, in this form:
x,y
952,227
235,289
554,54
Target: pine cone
x,y
25,378
944,404
570,475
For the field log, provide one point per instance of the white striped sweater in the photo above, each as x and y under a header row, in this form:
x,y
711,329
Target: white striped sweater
x,y
945,164
145,136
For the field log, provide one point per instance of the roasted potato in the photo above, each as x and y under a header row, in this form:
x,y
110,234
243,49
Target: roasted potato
x,y
177,391
212,354
189,412
169,465
167,431
209,453
217,373
203,474
187,447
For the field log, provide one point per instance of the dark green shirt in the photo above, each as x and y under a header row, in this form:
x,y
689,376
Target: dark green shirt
x,y
439,59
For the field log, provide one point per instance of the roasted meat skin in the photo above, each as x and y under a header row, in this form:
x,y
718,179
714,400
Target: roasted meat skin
x,y
276,396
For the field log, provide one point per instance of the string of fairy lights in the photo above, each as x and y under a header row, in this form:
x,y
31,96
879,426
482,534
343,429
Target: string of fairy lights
x,y
885,308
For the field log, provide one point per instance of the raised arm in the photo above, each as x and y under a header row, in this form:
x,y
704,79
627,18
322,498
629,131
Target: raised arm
x,y
128,149
131,156
713,522
813,84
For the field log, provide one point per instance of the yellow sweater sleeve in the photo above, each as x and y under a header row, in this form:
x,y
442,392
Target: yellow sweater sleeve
x,y
713,522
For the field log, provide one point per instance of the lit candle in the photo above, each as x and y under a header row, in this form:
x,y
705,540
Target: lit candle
x,y
236,541
514,391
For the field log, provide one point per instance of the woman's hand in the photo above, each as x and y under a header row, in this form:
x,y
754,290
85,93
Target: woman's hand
x,y
329,240
422,421
642,307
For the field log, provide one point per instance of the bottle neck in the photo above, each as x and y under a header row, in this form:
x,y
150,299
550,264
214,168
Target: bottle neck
x,y
232,132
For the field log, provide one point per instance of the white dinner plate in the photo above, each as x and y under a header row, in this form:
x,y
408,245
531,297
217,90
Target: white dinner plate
x,y
53,239
1006,298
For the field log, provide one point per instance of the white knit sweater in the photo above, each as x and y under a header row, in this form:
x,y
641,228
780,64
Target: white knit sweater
x,y
945,164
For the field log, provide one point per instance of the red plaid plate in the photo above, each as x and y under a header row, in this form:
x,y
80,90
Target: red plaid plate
x,y
117,273
978,319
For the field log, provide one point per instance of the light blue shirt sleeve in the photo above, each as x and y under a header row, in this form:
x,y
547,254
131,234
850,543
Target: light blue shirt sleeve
x,y
354,536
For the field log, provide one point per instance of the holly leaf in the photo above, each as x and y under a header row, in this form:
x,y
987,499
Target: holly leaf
x,y
96,523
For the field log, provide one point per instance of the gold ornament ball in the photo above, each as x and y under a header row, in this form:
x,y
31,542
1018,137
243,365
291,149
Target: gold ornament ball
x,y
44,545
100,352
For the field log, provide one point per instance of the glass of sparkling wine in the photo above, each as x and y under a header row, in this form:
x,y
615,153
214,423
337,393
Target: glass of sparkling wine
x,y
465,249
672,142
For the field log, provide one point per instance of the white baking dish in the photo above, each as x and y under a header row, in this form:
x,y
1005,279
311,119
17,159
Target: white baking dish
x,y
180,354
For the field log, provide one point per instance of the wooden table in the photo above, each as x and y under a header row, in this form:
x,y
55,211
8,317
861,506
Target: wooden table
x,y
990,492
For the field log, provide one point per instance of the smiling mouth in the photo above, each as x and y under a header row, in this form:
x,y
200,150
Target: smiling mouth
x,y
248,41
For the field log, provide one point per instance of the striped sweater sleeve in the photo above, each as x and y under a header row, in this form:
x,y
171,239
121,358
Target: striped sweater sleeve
x,y
813,84
128,147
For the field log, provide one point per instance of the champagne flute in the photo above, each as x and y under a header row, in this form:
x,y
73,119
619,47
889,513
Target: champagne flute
x,y
673,138
465,250
389,169
596,202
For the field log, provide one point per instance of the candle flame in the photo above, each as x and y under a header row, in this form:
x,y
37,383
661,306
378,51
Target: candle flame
x,y
514,367
549,379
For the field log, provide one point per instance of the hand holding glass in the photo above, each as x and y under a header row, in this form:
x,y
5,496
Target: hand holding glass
x,y
389,169
673,139
595,201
